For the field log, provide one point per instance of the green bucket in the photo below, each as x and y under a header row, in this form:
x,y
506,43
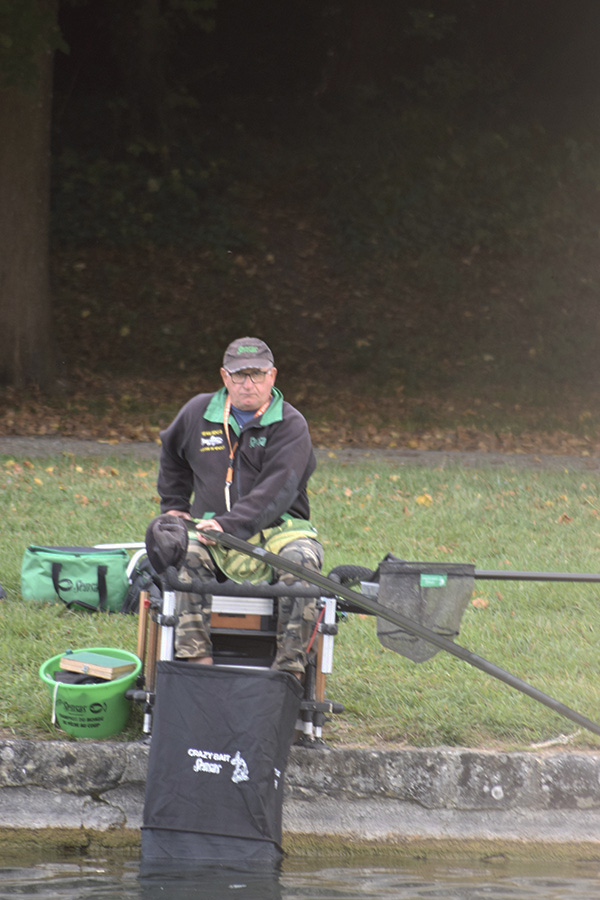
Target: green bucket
x,y
91,710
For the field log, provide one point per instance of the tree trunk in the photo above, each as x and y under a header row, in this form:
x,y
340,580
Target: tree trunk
x,y
139,38
26,342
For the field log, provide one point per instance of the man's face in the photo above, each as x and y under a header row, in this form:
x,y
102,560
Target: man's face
x,y
247,395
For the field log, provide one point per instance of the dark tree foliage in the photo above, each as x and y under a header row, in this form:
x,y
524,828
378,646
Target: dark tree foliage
x,y
150,89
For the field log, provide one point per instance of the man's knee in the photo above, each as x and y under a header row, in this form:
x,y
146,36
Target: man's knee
x,y
198,561
297,616
305,552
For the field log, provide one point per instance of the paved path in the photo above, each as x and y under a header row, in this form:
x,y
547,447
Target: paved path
x,y
44,446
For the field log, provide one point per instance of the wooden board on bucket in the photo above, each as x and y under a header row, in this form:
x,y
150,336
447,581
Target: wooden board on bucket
x,y
98,664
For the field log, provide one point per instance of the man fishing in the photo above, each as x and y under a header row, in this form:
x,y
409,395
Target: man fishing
x,y
239,460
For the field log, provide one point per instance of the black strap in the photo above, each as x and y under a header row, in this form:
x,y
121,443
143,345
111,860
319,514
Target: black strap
x,y
102,591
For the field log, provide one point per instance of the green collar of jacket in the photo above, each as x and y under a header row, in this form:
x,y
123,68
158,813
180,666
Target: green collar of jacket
x,y
216,408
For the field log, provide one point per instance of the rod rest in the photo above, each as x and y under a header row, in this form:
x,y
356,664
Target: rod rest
x,y
166,621
171,581
346,606
139,695
324,706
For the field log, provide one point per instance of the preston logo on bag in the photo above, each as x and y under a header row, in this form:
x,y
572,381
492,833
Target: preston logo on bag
x,y
90,577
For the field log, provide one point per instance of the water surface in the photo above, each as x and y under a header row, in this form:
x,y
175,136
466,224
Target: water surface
x,y
71,878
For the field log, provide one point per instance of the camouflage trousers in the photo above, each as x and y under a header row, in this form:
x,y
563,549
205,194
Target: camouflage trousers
x,y
296,616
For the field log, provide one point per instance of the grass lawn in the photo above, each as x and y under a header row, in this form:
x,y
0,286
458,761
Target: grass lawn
x,y
500,518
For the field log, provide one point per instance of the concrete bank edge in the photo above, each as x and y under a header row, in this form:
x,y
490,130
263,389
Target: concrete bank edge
x,y
437,802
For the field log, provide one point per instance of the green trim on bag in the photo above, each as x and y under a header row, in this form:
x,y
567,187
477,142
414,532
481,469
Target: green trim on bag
x,y
240,567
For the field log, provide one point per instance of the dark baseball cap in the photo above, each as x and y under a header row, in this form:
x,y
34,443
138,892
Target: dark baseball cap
x,y
247,353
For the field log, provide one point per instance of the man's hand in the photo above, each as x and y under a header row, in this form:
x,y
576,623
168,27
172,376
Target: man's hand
x,y
207,523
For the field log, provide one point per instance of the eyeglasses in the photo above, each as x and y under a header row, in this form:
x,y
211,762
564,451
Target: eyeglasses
x,y
256,376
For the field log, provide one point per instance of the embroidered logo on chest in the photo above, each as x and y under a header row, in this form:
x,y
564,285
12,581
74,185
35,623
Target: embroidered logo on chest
x,y
211,440
257,442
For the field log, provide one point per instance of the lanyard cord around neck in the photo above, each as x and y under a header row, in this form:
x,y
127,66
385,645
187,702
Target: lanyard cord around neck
x,y
233,448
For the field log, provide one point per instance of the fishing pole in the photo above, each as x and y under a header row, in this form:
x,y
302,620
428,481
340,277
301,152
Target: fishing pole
x,y
375,608
508,575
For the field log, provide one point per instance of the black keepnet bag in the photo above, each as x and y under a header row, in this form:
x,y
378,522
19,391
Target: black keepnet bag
x,y
220,742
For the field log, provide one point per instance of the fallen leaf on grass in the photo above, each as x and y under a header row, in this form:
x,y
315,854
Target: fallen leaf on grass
x,y
564,519
480,602
424,500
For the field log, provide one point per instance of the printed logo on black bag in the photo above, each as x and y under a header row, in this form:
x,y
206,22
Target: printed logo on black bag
x,y
240,771
212,763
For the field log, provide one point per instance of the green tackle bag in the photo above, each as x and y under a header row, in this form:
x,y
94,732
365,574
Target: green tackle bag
x,y
87,577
